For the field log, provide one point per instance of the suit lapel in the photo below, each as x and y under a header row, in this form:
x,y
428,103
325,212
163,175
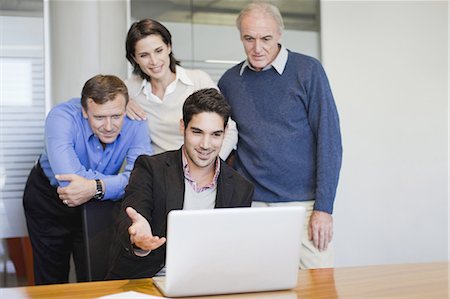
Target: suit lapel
x,y
174,181
224,187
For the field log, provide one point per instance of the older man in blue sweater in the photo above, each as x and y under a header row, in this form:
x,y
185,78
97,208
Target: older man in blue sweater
x,y
289,137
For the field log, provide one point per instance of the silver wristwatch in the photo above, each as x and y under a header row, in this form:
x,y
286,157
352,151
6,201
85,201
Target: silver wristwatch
x,y
99,194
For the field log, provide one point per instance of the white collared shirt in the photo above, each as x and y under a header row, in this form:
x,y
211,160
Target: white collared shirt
x,y
180,75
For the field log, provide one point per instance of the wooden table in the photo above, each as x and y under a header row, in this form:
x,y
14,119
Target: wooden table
x,y
407,281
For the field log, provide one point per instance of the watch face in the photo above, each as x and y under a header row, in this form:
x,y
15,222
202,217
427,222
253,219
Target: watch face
x,y
98,195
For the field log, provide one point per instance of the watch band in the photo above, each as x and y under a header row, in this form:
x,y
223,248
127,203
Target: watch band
x,y
99,194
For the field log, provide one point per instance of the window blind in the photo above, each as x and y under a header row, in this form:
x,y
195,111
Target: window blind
x,y
22,114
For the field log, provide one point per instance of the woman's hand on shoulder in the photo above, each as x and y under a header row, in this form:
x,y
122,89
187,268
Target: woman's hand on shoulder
x,y
135,112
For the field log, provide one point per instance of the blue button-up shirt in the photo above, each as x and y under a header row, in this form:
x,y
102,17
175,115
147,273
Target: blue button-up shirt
x,y
72,148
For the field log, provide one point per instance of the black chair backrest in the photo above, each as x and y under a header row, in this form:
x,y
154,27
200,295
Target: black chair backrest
x,y
99,221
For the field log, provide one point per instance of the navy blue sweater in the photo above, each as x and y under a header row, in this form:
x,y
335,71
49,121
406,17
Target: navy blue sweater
x,y
289,138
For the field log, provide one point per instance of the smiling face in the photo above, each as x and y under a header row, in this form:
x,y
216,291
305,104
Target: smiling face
x,y
203,139
106,119
260,35
152,56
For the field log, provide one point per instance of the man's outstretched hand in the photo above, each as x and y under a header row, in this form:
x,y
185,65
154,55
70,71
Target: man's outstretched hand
x,y
141,232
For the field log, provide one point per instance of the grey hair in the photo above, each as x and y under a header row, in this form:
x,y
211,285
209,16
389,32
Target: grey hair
x,y
264,8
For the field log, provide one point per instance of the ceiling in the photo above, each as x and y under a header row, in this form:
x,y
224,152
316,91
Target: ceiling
x,y
297,14
21,8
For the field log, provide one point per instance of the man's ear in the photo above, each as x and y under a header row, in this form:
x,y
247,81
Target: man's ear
x,y
84,112
181,127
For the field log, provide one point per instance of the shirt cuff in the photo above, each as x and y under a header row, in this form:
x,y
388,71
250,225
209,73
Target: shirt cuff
x,y
115,186
141,252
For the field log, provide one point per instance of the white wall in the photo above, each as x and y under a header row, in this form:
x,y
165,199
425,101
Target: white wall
x,y
84,38
388,65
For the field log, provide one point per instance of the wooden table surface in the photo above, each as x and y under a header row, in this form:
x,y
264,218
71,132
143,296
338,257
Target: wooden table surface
x,y
427,280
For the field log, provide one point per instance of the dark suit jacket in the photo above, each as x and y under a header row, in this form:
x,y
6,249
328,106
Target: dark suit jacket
x,y
156,187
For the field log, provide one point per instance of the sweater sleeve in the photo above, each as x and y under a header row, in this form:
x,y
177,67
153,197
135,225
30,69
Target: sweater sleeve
x,y
324,120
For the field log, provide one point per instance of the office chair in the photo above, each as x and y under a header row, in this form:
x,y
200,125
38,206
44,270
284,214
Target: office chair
x,y
99,219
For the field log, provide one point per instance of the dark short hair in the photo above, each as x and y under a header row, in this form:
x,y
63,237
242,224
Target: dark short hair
x,y
206,100
141,29
103,88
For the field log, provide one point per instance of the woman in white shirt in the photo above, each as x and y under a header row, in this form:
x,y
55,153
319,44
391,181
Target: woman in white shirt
x,y
159,86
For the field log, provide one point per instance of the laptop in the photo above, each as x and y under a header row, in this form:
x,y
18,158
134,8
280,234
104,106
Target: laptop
x,y
231,250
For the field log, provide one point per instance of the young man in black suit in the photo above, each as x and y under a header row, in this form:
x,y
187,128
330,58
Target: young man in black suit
x,y
193,177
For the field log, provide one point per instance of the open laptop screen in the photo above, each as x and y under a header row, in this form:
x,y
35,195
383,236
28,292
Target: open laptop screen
x,y
232,250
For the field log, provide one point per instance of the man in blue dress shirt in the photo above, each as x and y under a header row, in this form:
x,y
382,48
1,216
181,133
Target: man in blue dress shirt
x,y
86,142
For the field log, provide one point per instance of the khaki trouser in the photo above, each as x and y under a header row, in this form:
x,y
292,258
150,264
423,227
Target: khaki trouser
x,y
310,256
